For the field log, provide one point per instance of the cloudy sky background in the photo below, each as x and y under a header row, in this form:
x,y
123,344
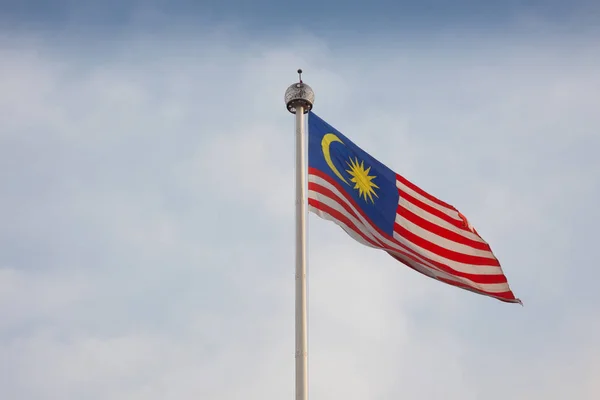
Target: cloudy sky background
x,y
146,198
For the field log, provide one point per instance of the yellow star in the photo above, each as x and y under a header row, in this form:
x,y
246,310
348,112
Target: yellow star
x,y
362,179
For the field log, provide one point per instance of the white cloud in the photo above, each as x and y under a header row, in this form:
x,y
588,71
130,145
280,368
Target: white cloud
x,y
147,208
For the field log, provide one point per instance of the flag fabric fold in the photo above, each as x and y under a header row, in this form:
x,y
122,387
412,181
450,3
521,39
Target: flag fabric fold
x,y
382,209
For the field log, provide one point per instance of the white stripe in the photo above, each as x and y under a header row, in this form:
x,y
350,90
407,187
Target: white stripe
x,y
442,241
414,249
448,211
364,226
455,265
336,206
431,270
490,287
404,203
325,215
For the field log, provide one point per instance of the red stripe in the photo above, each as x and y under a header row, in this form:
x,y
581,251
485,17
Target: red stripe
x,y
508,297
444,252
489,279
504,296
432,210
477,278
441,231
336,214
342,218
327,192
423,193
409,264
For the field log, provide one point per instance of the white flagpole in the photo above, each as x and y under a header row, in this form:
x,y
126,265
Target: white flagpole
x,y
299,99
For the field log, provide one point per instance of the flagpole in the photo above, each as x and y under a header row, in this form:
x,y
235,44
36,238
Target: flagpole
x,y
299,99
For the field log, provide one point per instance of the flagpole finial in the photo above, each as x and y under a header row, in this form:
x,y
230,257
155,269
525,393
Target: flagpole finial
x,y
299,94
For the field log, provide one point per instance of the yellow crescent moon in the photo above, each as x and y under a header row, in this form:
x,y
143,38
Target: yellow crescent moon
x,y
325,143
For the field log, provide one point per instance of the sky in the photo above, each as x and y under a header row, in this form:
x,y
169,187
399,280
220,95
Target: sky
x,y
147,198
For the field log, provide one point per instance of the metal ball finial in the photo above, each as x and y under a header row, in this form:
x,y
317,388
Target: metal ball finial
x,y
299,94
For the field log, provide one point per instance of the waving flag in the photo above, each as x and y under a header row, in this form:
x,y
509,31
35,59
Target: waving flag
x,y
382,209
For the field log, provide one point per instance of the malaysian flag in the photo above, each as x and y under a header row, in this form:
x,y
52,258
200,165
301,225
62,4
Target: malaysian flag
x,y
382,209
